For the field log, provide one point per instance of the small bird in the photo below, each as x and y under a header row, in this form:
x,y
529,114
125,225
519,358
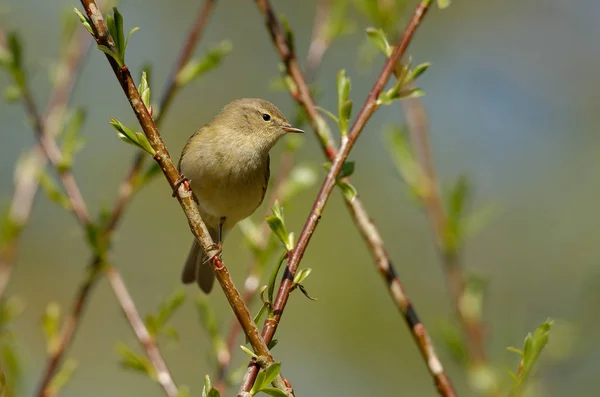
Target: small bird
x,y
227,164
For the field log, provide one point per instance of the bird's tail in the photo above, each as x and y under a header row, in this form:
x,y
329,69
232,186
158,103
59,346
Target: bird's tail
x,y
197,266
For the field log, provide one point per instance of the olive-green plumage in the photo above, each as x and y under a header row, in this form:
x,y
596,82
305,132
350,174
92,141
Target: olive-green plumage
x,y
227,163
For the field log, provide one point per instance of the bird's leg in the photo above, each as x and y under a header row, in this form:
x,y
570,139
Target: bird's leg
x,y
182,180
218,246
220,234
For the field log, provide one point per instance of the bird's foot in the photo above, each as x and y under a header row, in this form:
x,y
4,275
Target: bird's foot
x,y
183,180
217,252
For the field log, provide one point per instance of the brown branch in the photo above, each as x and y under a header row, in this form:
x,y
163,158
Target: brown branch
x,y
126,190
27,178
303,96
252,281
438,220
184,196
78,206
319,42
137,324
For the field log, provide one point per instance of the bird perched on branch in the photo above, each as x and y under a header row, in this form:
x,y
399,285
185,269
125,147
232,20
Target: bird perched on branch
x,y
227,163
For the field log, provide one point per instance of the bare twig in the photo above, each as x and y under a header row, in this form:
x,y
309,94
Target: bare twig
x,y
438,220
137,324
79,208
252,281
26,180
319,42
365,225
184,196
126,190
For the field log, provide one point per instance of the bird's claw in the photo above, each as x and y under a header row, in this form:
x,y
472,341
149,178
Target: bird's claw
x,y
183,180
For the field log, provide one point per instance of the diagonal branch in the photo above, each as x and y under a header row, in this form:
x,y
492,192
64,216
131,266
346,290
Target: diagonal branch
x,y
27,177
79,208
126,190
438,220
184,196
362,220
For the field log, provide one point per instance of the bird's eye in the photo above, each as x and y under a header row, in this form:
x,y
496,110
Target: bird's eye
x,y
266,117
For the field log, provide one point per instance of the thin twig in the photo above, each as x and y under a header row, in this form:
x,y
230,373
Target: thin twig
x,y
79,208
252,281
365,225
438,220
27,178
319,42
163,375
184,196
126,190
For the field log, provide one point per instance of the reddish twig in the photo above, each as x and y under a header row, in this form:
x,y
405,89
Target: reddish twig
x,y
126,191
184,196
438,220
163,375
252,281
365,225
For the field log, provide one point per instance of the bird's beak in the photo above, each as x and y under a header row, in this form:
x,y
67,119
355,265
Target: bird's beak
x,y
289,128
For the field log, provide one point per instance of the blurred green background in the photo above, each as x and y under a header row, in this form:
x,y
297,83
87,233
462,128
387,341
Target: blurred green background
x,y
512,98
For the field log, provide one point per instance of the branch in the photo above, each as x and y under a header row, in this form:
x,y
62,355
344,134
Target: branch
x,y
438,220
27,178
78,206
252,281
184,196
126,191
361,218
369,107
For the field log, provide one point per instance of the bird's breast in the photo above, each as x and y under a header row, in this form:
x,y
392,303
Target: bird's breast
x,y
228,184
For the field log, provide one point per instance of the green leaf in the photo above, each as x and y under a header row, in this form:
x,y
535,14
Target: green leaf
x,y
419,70
410,93
344,105
258,382
16,50
272,391
248,352
133,138
302,275
443,4
377,37
277,225
133,30
348,190
347,169
470,303
50,326
111,53
9,230
453,339
133,361
258,318
328,114
63,376
118,34
52,191
289,34
532,348
271,373
71,139
170,305
12,93
144,89
84,21
208,390
273,278
196,68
